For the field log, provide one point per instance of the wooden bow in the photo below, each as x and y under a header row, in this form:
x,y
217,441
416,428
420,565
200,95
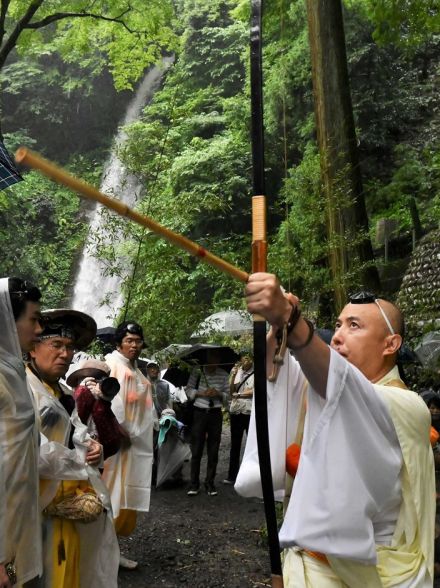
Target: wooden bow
x,y
259,264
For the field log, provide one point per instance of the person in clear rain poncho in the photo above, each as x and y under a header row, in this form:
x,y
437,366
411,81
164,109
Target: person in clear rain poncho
x,y
80,544
128,473
20,526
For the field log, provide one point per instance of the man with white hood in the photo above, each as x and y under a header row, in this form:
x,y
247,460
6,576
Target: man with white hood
x,y
20,526
362,505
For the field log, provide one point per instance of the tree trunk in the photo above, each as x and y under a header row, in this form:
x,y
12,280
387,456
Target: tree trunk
x,y
350,251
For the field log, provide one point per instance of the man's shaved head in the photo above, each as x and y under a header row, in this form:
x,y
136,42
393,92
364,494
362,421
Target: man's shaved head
x,y
394,315
363,336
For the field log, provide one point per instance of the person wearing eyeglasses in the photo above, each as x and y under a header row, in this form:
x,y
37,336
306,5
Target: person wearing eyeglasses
x,y
362,500
69,460
20,526
128,473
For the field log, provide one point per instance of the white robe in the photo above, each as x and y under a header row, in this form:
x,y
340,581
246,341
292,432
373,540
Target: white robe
x,y
347,494
20,524
128,473
99,548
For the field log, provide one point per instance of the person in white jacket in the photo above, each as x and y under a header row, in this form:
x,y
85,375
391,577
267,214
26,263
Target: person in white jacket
x,y
128,473
76,555
20,525
362,501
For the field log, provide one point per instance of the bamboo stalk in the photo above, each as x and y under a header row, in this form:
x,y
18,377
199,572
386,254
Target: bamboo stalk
x,y
31,159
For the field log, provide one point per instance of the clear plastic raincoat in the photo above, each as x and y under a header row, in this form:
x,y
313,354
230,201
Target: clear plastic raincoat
x,y
92,551
20,525
128,473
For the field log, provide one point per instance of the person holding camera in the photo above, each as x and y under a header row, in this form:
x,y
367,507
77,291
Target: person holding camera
x,y
94,391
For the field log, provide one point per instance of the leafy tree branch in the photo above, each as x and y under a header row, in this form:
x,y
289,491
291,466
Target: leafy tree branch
x,y
62,15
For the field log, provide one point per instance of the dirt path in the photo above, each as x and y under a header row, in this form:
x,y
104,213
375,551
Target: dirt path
x,y
201,541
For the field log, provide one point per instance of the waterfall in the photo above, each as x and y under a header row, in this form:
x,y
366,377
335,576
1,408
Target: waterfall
x,y
96,293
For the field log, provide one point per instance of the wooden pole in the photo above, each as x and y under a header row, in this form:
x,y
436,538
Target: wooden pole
x,y
31,159
340,172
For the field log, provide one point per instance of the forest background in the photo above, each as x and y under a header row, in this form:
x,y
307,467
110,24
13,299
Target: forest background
x,y
68,74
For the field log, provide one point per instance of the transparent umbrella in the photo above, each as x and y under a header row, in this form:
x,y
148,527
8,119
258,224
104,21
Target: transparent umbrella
x,y
428,350
227,322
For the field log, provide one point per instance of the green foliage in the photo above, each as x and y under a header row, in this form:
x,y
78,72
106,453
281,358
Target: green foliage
x,y
40,231
417,173
191,148
51,104
300,249
120,34
407,23
212,47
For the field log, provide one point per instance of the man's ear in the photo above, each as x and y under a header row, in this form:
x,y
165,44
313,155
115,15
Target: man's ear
x,y
32,354
392,344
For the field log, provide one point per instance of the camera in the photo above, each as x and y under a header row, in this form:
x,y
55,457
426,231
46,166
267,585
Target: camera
x,y
109,386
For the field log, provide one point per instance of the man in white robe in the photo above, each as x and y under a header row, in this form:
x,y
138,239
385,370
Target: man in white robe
x,y
128,473
69,466
362,505
20,526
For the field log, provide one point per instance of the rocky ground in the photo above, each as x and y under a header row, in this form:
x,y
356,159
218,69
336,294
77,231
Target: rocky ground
x,y
202,541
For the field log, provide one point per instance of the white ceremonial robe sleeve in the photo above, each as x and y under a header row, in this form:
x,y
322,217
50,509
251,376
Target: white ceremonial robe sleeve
x,y
349,467
283,398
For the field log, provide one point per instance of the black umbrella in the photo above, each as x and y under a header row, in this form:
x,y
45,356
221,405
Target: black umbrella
x,y
189,356
407,355
106,334
177,375
198,355
325,334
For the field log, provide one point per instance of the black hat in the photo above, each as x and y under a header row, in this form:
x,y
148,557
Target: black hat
x,y
429,396
129,327
72,324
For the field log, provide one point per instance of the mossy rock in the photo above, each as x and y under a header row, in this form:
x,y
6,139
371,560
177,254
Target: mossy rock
x,y
419,294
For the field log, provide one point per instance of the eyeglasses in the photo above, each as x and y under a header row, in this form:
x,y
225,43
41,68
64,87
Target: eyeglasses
x,y
365,297
137,342
58,346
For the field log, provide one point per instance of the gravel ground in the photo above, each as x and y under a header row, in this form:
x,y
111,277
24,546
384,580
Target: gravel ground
x,y
202,541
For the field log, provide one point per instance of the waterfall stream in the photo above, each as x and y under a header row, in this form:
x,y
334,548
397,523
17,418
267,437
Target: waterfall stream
x,y
95,292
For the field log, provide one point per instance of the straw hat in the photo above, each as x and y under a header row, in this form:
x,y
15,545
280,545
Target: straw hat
x,y
88,368
74,324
